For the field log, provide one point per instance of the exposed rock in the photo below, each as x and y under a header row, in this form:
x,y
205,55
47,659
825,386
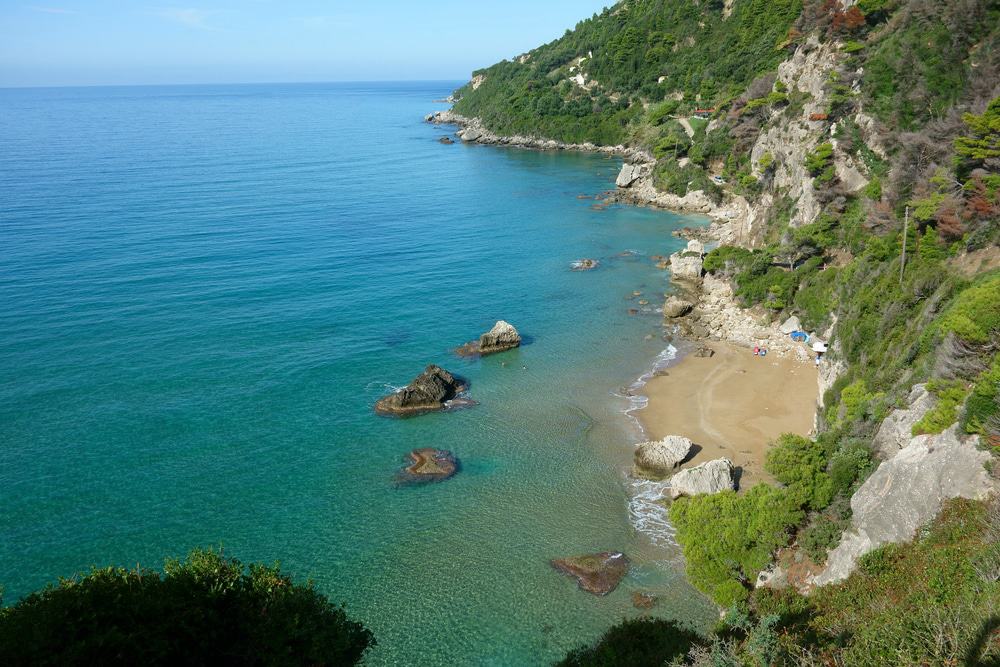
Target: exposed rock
x,y
428,392
704,352
446,140
711,477
773,577
502,337
641,600
428,465
585,264
790,325
470,134
597,573
896,430
685,265
694,245
629,174
907,492
661,456
675,307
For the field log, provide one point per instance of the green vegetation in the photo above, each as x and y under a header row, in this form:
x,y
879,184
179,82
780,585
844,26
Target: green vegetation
x,y
206,610
820,163
975,315
800,464
728,538
642,642
950,396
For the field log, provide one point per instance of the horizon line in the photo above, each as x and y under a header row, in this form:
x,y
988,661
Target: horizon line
x,y
224,83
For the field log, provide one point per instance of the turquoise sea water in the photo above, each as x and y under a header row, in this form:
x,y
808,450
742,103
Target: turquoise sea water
x,y
204,289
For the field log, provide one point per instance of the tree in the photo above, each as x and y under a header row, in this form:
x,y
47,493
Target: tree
x,y
639,642
800,464
983,141
207,610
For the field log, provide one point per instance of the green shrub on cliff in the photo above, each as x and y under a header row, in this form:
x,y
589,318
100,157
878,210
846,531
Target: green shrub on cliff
x,y
729,538
207,610
639,642
800,464
975,315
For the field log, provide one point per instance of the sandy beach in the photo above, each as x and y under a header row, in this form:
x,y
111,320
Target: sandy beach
x,y
731,405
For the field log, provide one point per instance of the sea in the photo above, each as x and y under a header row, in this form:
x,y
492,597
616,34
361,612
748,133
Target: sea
x,y
205,289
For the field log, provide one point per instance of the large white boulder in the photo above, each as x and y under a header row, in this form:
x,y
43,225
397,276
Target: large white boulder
x,y
629,174
790,325
711,477
906,493
662,456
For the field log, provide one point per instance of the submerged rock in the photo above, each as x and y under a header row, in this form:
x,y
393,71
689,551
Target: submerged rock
x,y
446,140
502,337
660,457
428,392
711,477
428,465
585,264
676,307
596,573
642,600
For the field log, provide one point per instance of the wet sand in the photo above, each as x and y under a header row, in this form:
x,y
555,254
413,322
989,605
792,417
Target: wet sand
x,y
731,405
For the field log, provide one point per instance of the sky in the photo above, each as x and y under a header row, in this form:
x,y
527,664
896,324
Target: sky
x,y
123,42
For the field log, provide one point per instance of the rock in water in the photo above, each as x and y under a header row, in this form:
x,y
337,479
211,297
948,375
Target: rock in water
x,y
642,600
446,140
628,175
428,465
502,337
676,307
597,573
428,392
660,457
711,477
585,264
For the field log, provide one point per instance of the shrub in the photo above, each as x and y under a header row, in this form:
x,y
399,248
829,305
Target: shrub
x,y
206,610
982,406
727,259
975,314
819,163
642,642
728,538
799,464
950,397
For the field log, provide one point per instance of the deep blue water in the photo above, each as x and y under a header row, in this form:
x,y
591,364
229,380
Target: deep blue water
x,y
204,289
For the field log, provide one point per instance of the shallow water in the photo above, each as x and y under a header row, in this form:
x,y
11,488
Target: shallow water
x,y
206,288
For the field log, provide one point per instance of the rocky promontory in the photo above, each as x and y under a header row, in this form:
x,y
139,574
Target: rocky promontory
x,y
428,392
502,337
428,465
596,573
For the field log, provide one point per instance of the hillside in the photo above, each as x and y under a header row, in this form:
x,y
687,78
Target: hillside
x,y
851,151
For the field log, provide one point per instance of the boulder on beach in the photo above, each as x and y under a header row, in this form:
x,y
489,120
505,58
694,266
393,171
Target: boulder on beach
x,y
675,307
502,337
704,352
711,477
659,457
428,392
790,325
585,264
596,573
427,465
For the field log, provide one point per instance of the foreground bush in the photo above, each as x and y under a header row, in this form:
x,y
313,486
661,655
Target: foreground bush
x,y
638,642
207,610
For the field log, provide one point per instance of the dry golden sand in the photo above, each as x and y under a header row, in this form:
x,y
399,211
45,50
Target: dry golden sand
x,y
731,405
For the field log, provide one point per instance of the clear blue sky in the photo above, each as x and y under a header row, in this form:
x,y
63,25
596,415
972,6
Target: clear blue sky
x,y
95,42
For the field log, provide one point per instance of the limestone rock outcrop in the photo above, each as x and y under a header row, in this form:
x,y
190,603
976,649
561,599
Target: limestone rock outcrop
x,y
502,337
629,174
659,457
790,325
896,430
686,265
711,477
428,392
675,307
905,493
596,573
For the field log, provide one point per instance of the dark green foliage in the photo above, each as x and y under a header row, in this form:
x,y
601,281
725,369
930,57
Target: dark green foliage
x,y
821,535
819,162
641,642
208,610
975,315
850,465
800,464
982,409
914,72
729,538
982,143
727,260
633,45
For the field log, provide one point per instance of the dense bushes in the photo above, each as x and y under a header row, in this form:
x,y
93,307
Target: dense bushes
x,y
206,610
729,538
642,642
800,464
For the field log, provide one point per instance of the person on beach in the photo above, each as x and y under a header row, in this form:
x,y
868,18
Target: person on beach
x,y
756,351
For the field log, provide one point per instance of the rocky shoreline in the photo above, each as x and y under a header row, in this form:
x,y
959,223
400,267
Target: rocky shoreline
x,y
634,184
